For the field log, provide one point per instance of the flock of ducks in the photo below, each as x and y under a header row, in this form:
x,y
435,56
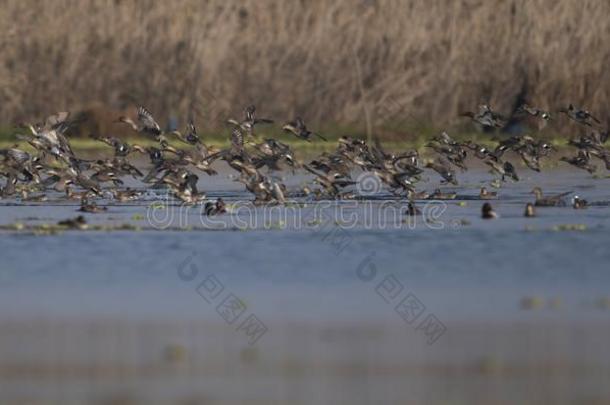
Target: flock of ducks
x,y
54,166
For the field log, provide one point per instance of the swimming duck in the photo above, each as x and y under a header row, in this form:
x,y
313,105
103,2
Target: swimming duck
x,y
439,195
487,212
551,201
299,129
126,195
579,203
419,195
91,207
580,116
74,223
72,195
530,211
215,208
484,194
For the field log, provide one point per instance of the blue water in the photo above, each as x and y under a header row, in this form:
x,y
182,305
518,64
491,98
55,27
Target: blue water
x,y
459,266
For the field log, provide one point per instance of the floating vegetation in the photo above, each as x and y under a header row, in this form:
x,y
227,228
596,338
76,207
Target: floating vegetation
x,y
157,205
68,225
462,204
489,365
295,204
529,303
314,222
275,225
603,303
138,217
569,227
174,353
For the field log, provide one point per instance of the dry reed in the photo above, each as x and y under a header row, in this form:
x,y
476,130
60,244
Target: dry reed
x,y
339,62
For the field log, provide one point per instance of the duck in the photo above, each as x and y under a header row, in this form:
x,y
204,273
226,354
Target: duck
x,y
530,211
579,203
535,112
91,208
271,152
451,150
146,125
531,161
121,149
126,195
215,208
74,223
183,185
332,181
580,116
198,156
105,175
442,167
603,155
509,171
581,160
480,152
299,129
439,195
486,117
543,115
550,201
190,136
419,195
487,212
25,196
412,210
485,194
504,169
73,195
249,121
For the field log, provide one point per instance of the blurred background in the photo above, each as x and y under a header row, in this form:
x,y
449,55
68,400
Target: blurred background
x,y
346,63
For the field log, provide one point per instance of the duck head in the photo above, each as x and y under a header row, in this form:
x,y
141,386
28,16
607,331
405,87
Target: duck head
x,y
487,212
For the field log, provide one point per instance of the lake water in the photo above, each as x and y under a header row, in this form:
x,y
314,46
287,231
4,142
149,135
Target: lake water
x,y
353,302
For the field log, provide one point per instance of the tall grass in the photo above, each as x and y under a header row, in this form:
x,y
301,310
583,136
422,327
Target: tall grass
x,y
363,63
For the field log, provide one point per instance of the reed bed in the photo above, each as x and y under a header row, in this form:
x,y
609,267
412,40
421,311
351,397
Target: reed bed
x,y
366,64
